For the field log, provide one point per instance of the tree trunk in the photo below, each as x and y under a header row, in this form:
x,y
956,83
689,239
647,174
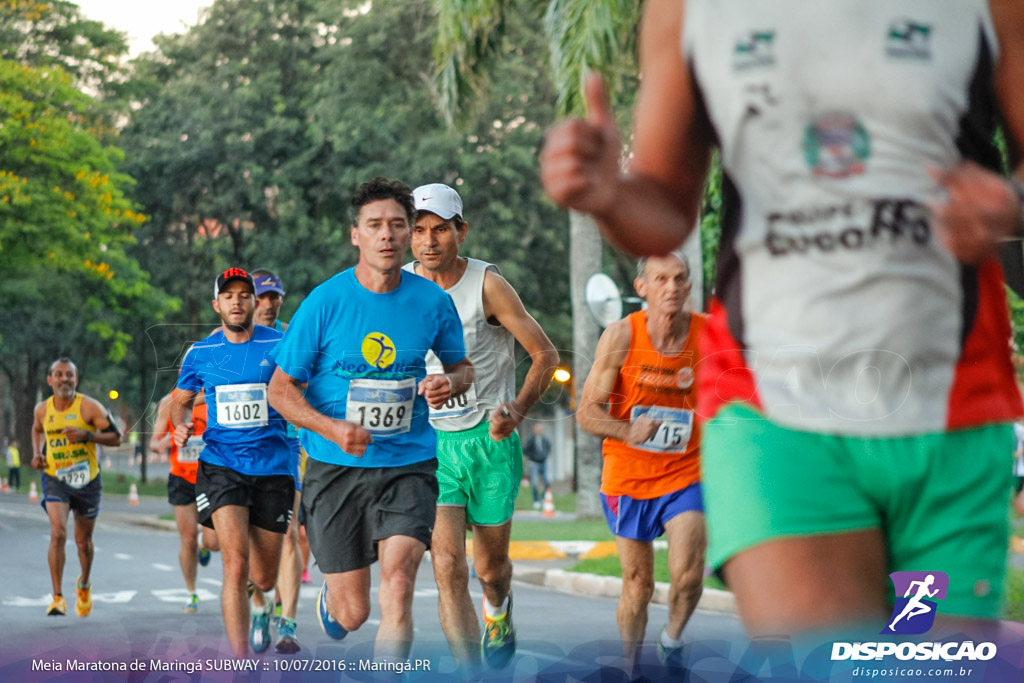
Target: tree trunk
x,y
23,390
584,261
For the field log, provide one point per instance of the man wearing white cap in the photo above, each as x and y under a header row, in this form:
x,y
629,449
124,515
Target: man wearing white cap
x,y
478,451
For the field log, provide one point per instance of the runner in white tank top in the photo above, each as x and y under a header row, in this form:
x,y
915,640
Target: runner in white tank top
x,y
858,294
479,456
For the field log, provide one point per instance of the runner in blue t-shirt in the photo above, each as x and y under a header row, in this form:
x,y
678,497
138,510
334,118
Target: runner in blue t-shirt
x,y
245,484
269,297
358,344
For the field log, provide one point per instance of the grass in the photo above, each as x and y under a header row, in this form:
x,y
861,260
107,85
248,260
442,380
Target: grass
x,y
114,483
609,566
566,502
578,530
1014,610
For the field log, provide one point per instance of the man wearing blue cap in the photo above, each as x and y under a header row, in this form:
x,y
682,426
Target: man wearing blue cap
x,y
269,297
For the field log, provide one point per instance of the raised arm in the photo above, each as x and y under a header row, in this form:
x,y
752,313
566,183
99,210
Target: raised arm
x,y
285,394
502,303
652,208
593,414
38,436
981,208
93,413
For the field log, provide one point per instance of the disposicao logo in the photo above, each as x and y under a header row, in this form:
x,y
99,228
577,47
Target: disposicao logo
x,y
914,612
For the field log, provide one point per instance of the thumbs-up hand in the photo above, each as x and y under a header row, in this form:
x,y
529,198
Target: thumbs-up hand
x,y
579,164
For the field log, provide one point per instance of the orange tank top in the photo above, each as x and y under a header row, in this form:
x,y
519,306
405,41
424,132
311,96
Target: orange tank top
x,y
663,388
186,466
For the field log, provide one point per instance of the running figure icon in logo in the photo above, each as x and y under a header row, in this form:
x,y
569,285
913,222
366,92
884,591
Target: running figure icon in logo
x,y
923,585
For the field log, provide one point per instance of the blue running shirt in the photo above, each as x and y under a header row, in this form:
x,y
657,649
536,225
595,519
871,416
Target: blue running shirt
x,y
243,432
362,354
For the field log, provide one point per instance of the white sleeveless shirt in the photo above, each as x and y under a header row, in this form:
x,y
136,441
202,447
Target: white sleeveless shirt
x,y
491,349
846,313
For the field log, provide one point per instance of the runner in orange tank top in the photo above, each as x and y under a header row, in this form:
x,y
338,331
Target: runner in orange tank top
x,y
181,493
640,396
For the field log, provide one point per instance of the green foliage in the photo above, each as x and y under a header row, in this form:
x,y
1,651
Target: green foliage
x,y
65,218
589,36
254,128
55,33
711,224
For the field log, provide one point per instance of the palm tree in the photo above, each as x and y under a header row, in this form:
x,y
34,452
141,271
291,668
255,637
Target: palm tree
x,y
582,36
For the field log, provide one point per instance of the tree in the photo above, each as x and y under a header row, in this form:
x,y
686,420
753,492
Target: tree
x,y
56,33
581,36
64,225
227,179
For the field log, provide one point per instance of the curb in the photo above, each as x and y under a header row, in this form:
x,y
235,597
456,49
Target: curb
x,y
711,600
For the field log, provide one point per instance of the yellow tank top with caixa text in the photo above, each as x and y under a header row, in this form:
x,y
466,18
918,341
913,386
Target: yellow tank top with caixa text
x,y
75,464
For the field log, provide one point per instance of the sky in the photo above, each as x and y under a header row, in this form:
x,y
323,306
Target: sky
x,y
143,19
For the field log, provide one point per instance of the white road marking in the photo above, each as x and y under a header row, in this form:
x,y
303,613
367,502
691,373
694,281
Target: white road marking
x,y
122,556
181,595
119,596
18,601
162,567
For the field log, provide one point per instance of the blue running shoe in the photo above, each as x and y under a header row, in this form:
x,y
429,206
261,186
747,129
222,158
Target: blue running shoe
x,y
286,643
498,644
259,632
204,556
328,625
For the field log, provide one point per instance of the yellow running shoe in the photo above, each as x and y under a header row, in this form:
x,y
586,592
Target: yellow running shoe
x,y
83,605
58,607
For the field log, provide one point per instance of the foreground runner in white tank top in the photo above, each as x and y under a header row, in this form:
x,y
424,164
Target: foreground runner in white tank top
x,y
859,302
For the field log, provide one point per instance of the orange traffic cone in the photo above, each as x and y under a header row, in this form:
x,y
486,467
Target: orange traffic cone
x,y
133,494
4,486
33,495
549,504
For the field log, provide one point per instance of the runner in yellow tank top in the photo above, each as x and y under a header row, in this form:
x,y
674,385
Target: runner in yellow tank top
x,y
69,425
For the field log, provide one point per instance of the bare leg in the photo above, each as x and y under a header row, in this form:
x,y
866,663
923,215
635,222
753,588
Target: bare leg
x,y
490,559
348,597
232,522
400,558
686,543
304,547
789,585
186,517
637,560
86,550
58,515
290,573
210,541
458,618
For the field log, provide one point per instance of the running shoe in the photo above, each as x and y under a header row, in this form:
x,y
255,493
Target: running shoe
x,y
499,640
286,642
83,605
192,606
204,556
259,632
305,576
330,627
58,607
277,614
670,657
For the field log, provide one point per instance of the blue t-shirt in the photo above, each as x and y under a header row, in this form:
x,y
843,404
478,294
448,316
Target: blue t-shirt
x,y
243,432
362,354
